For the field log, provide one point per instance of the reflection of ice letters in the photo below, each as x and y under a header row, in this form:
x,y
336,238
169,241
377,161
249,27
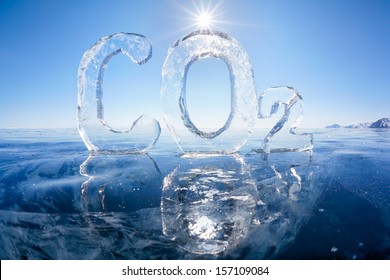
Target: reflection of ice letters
x,y
120,183
291,104
286,195
186,51
95,131
213,204
207,203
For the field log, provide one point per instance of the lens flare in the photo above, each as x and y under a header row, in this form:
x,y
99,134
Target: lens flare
x,y
204,20
202,15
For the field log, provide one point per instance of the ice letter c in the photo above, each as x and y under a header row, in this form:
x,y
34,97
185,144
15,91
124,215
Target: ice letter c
x,y
95,131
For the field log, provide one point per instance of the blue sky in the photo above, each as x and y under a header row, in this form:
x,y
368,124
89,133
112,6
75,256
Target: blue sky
x,y
335,53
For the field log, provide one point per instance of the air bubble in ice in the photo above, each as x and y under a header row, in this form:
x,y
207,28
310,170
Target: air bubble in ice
x,y
238,125
97,134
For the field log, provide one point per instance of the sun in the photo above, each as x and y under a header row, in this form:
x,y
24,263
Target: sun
x,y
204,15
204,20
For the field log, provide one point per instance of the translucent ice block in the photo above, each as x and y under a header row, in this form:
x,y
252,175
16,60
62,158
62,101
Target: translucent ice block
x,y
237,128
96,132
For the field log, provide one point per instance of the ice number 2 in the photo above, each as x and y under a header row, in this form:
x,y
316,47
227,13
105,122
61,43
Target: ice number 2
x,y
289,101
97,134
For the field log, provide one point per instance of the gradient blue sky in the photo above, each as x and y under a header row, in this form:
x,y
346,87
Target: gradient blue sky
x,y
336,53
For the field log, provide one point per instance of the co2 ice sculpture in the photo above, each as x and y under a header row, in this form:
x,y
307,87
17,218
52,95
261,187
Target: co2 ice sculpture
x,y
237,128
96,132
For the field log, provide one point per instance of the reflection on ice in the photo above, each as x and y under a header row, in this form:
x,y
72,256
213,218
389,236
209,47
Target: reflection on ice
x,y
286,195
207,204
120,183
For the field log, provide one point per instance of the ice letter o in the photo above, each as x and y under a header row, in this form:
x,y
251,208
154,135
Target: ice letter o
x,y
238,126
95,131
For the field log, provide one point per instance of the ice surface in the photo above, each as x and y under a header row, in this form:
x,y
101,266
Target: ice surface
x,y
186,51
96,132
287,100
48,210
111,235
207,206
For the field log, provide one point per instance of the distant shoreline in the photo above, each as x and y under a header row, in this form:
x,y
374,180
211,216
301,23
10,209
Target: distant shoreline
x,y
381,123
